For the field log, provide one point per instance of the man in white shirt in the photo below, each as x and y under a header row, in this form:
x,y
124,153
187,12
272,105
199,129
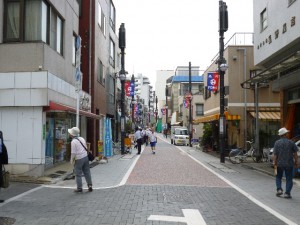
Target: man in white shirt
x,y
138,137
79,156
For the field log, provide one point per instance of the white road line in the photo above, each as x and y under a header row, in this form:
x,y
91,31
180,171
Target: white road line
x,y
20,195
250,197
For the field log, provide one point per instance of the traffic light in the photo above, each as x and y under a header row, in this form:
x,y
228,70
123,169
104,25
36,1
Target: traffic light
x,y
223,17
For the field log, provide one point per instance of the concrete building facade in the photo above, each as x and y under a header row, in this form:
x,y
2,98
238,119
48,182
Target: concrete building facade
x,y
277,55
38,88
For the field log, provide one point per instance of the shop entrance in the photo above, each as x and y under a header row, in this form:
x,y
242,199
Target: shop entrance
x,y
58,147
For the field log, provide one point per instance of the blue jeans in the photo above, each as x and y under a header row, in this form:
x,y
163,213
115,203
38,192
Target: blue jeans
x,y
82,166
288,176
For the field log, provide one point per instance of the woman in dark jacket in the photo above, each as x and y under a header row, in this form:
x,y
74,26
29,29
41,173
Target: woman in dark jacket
x,y
3,158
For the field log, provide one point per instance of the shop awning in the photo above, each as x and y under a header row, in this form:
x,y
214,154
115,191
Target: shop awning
x,y
53,106
267,115
214,117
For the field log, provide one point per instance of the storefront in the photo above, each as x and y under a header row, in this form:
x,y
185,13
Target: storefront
x,y
59,118
57,138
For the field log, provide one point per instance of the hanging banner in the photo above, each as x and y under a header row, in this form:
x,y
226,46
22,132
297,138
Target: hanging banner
x,y
132,87
127,88
212,81
108,138
186,103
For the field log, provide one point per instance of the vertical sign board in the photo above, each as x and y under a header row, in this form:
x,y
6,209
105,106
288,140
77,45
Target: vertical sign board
x,y
108,138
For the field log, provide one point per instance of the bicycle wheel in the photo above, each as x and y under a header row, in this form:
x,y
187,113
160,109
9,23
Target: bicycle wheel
x,y
116,148
234,156
256,156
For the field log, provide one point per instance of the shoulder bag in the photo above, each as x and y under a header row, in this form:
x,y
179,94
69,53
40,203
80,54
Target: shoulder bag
x,y
90,155
5,177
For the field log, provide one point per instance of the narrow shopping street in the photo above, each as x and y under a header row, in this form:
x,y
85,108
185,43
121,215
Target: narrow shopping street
x,y
177,185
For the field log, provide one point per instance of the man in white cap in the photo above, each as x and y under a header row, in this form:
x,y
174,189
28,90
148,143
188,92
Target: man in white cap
x,y
285,158
79,155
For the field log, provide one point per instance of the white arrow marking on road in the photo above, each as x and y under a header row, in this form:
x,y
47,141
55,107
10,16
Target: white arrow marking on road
x,y
191,217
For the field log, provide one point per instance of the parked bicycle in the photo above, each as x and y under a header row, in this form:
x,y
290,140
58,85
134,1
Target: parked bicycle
x,y
239,155
127,147
116,148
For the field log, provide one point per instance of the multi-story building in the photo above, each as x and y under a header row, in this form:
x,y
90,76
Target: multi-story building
x,y
179,89
160,92
277,55
38,89
240,102
144,94
100,64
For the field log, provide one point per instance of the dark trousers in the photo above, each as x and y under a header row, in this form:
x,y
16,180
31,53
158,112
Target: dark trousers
x,y
139,145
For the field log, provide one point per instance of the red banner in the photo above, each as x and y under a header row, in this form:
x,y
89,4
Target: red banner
x,y
127,88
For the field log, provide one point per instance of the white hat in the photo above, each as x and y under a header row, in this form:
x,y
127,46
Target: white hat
x,y
74,131
282,131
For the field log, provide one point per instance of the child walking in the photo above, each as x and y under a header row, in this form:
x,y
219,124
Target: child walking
x,y
153,139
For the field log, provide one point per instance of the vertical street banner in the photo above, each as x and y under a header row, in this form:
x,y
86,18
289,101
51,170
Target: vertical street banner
x,y
212,81
132,87
108,138
186,103
127,88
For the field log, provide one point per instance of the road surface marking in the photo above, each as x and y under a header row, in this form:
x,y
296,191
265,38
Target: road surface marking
x,y
191,217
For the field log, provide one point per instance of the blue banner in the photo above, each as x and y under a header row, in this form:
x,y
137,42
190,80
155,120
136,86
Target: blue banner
x,y
212,81
132,87
108,138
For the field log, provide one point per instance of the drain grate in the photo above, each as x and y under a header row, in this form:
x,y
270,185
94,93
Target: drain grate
x,y
60,172
7,220
93,164
53,175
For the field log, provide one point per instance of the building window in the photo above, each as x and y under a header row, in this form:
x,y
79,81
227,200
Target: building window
x,y
100,74
199,110
207,93
74,49
13,23
33,20
56,26
99,14
112,20
101,19
263,19
112,53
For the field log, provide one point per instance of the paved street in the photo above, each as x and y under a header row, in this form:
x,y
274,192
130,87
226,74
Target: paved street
x,y
177,185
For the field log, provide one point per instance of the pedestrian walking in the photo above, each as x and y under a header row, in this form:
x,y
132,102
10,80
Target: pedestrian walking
x,y
138,138
285,159
152,140
3,159
79,156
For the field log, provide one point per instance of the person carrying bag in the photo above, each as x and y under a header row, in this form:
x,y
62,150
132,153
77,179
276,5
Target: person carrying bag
x,y
79,157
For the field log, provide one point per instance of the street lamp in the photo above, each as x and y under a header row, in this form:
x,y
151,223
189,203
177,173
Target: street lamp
x,y
122,76
222,67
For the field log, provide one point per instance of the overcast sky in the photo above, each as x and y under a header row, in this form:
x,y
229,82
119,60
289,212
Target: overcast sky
x,y
164,34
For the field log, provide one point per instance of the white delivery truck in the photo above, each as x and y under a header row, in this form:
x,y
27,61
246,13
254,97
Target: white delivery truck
x,y
179,135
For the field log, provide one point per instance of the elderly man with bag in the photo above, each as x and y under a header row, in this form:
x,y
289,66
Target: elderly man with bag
x,y
285,159
79,156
